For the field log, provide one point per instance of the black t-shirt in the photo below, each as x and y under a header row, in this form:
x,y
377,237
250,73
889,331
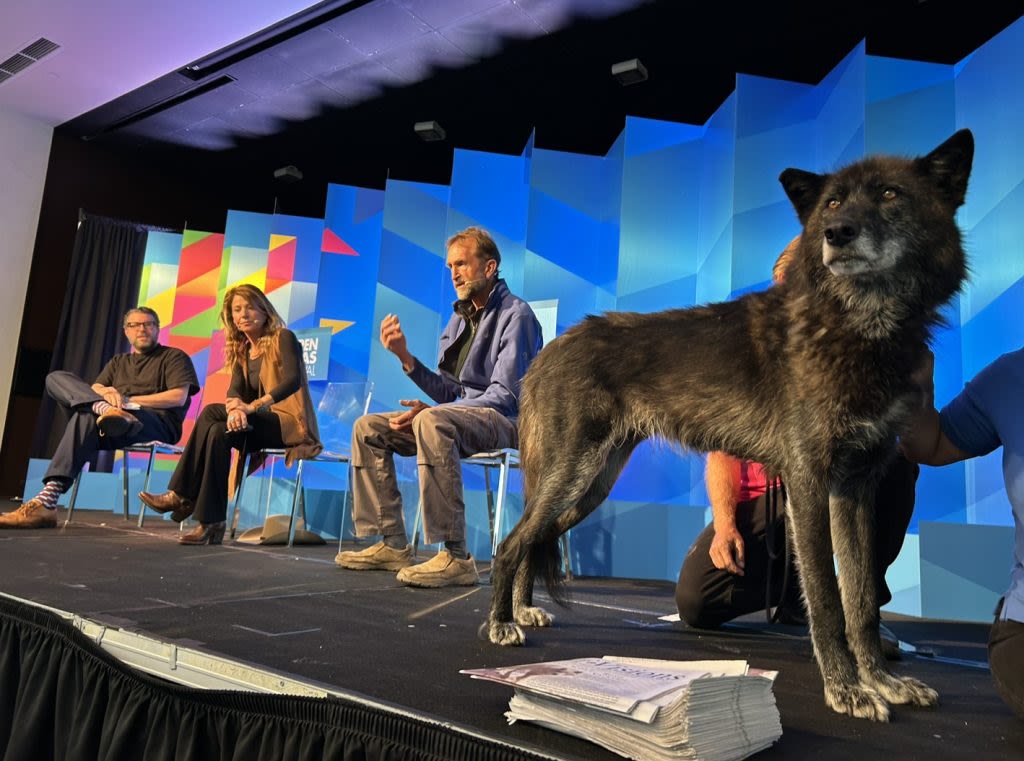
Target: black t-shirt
x,y
161,369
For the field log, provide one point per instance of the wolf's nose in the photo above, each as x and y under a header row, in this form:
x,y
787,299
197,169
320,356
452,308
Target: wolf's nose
x,y
841,232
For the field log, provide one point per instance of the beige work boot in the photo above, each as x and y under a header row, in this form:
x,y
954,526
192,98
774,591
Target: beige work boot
x,y
379,557
442,570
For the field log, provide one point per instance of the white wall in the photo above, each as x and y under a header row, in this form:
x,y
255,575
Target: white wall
x,y
24,152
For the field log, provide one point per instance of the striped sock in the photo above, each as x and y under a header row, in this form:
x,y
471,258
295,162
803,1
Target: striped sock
x,y
51,493
101,407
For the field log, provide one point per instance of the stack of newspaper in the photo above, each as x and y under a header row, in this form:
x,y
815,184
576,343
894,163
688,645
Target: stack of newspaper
x,y
648,709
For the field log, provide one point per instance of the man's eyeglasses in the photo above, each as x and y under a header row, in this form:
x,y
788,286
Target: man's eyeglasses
x,y
148,325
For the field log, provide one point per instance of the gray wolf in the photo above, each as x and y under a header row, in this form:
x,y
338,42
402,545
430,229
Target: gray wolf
x,y
812,378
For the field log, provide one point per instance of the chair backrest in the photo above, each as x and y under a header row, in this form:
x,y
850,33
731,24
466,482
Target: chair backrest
x,y
340,406
546,311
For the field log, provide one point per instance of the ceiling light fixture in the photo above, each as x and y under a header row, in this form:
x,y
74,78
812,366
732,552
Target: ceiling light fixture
x,y
429,131
629,72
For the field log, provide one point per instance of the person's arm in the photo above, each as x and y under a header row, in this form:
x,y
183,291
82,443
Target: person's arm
x,y
722,477
291,367
104,385
435,385
163,400
179,375
924,440
291,378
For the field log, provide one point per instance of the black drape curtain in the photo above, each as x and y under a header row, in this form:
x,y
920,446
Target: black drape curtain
x,y
106,269
64,697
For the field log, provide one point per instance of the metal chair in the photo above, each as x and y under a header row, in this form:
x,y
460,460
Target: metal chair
x,y
340,406
151,448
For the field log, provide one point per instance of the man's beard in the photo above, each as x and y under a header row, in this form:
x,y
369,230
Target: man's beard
x,y
471,287
146,349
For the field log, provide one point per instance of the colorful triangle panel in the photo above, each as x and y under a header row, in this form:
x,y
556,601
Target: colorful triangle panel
x,y
332,244
336,326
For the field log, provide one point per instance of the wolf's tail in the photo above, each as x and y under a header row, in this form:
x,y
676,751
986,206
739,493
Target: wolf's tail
x,y
546,558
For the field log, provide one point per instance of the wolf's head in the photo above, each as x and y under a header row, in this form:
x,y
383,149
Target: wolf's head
x,y
885,225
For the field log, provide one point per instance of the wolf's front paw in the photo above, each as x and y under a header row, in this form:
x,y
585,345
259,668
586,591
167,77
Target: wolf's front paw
x,y
902,690
533,616
502,633
857,701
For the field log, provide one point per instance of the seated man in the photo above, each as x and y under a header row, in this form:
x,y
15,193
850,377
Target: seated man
x,y
485,350
154,381
986,415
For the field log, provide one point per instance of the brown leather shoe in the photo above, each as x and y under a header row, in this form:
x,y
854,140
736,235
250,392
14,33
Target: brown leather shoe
x,y
180,508
115,422
32,514
203,533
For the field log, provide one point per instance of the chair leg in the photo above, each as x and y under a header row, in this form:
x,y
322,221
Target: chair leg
x,y
74,496
296,498
500,509
145,485
270,486
417,522
490,502
567,556
124,482
242,478
344,505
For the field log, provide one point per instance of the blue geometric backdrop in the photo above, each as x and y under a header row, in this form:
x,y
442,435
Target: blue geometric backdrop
x,y
675,215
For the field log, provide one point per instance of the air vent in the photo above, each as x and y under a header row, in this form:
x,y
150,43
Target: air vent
x,y
16,64
31,54
40,48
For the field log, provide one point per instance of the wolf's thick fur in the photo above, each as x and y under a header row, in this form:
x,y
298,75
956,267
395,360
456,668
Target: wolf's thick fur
x,y
811,378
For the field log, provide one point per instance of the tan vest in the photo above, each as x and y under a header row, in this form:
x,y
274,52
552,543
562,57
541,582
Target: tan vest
x,y
299,430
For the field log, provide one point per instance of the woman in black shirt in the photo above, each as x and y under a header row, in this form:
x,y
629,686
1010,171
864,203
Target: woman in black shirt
x,y
267,406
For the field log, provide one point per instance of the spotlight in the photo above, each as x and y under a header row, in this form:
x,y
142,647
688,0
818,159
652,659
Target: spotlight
x,y
429,131
629,72
288,174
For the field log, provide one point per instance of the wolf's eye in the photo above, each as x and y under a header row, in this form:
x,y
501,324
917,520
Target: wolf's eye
x,y
889,194
833,203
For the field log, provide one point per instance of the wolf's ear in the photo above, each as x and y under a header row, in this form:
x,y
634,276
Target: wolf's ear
x,y
803,189
949,166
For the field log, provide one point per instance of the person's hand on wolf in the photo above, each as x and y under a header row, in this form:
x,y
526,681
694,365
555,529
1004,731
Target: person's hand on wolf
x,y
393,339
403,421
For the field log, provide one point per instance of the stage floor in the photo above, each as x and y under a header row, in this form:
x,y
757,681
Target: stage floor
x,y
294,611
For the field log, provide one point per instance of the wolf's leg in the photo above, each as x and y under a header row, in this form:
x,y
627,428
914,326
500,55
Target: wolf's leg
x,y
568,474
853,534
807,503
511,562
525,612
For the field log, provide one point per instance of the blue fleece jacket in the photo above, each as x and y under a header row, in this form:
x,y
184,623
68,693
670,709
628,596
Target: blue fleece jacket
x,y
507,339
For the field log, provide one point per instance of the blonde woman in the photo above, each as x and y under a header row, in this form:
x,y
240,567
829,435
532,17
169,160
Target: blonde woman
x,y
268,406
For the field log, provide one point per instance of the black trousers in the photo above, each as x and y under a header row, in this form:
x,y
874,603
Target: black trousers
x,y
82,440
202,472
707,596
1006,660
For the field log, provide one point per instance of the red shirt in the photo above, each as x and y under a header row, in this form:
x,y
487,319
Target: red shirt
x,y
753,482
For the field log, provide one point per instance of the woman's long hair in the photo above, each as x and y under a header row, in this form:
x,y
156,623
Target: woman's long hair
x,y
235,342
